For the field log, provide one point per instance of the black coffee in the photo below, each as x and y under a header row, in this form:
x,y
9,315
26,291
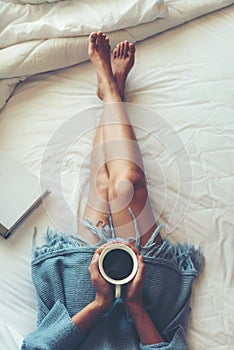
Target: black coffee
x,y
118,264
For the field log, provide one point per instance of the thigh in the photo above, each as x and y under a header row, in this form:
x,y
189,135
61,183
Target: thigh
x,y
97,207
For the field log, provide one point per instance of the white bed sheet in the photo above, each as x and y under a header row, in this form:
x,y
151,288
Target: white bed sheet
x,y
187,76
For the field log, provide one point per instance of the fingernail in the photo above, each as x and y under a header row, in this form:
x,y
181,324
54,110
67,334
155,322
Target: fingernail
x,y
96,256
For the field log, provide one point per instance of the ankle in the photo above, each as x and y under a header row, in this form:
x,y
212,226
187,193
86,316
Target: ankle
x,y
111,92
112,96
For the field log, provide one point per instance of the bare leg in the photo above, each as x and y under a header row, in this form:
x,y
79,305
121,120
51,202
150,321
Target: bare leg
x,y
97,208
126,185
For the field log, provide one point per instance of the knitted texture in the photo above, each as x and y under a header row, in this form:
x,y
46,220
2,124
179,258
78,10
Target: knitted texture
x,y
60,274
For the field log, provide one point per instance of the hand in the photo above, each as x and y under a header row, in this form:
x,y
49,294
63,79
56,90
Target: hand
x,y
90,314
133,297
104,290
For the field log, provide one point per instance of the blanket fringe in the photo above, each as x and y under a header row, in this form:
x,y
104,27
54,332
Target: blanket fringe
x,y
185,258
55,242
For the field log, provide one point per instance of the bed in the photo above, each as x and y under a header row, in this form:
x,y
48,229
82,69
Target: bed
x,y
180,100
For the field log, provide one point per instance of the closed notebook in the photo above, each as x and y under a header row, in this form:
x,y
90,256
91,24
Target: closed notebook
x,y
20,193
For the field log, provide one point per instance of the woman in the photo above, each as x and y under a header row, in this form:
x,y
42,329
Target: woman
x,y
77,309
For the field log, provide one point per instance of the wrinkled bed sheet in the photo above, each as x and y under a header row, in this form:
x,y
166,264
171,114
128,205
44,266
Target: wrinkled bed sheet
x,y
180,96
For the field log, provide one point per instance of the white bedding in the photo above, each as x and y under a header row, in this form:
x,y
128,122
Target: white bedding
x,y
186,75
45,37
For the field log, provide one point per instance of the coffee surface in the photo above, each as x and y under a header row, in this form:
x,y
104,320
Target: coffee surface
x,y
118,264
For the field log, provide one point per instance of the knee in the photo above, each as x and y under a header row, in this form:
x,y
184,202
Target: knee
x,y
125,185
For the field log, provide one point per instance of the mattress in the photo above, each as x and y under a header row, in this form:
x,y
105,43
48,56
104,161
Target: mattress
x,y
180,101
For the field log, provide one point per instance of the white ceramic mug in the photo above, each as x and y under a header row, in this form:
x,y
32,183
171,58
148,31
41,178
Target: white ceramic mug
x,y
118,264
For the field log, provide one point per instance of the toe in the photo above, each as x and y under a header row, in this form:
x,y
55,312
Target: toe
x,y
132,47
126,48
115,53
132,50
118,50
100,39
107,39
93,37
105,43
92,42
122,49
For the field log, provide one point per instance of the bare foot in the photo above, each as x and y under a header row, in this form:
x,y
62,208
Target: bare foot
x,y
99,55
122,62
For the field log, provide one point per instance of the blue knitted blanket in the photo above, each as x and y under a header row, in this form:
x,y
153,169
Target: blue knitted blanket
x,y
62,281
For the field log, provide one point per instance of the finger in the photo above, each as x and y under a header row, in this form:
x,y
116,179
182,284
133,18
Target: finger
x,y
141,269
100,249
95,258
141,264
136,251
93,267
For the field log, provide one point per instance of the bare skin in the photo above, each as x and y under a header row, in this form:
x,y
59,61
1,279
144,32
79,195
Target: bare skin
x,y
111,179
118,67
90,315
105,166
122,61
99,55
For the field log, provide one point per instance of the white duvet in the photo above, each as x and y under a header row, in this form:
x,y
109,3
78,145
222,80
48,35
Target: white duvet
x,y
49,36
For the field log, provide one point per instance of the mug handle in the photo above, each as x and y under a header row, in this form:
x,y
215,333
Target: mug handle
x,y
117,291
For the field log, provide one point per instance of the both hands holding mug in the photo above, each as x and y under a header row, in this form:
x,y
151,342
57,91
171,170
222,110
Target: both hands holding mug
x,y
103,280
105,297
